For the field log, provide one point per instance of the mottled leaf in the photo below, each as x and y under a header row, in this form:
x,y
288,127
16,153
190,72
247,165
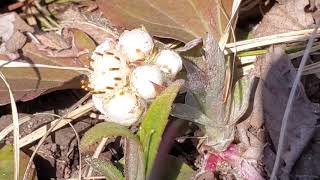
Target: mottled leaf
x,y
7,164
211,95
105,129
106,168
155,121
187,112
177,19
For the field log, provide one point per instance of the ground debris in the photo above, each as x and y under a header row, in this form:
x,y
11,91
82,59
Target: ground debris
x,y
276,75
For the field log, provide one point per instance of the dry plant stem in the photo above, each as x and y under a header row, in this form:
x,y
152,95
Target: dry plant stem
x,y
269,40
300,53
97,153
15,64
78,142
311,69
290,101
15,120
224,39
55,125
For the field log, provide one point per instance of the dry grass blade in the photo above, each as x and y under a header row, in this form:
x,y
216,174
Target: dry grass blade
x,y
293,36
16,64
300,53
235,7
15,119
290,101
311,69
56,125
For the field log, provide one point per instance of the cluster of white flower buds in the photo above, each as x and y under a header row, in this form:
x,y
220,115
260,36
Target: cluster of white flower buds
x,y
122,81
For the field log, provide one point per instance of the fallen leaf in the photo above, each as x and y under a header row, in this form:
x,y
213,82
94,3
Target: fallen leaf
x,y
178,19
31,78
94,25
285,17
276,78
11,34
53,41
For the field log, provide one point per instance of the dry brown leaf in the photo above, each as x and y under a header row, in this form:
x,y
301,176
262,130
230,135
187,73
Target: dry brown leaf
x,y
276,77
97,27
12,39
285,17
177,19
30,82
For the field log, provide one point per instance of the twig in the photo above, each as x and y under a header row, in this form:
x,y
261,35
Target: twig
x,y
290,101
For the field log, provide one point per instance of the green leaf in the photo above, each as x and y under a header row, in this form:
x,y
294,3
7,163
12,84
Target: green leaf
x,y
105,129
7,164
240,98
155,121
106,168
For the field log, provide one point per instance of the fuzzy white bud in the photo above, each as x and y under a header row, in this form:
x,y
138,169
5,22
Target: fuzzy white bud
x,y
135,44
145,80
169,62
110,70
98,100
124,108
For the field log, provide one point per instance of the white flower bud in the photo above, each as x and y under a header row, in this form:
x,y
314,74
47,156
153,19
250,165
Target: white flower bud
x,y
124,108
107,45
169,62
146,80
110,70
135,44
98,100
